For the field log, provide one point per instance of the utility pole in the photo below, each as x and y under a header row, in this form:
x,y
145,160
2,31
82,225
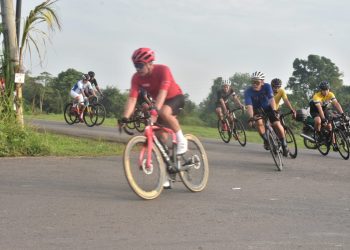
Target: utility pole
x,y
18,20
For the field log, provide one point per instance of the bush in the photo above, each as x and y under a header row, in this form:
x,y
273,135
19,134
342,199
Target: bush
x,y
15,141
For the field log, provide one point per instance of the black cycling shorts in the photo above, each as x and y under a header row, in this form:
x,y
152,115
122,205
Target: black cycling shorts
x,y
176,104
271,114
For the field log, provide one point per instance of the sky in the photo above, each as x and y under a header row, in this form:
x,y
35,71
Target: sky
x,y
199,40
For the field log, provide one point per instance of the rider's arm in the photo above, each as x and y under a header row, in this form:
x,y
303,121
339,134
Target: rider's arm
x,y
272,103
129,107
320,110
237,101
337,105
161,98
98,89
250,111
223,105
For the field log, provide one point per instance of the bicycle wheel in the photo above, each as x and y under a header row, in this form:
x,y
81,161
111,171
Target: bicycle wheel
x,y
322,145
224,131
342,143
238,132
147,183
275,150
90,116
195,160
310,145
291,142
101,114
69,114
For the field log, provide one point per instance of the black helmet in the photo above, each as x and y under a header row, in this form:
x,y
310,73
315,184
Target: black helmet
x,y
276,82
85,77
324,85
91,74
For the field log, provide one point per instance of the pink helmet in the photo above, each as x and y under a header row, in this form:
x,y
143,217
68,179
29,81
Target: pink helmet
x,y
143,55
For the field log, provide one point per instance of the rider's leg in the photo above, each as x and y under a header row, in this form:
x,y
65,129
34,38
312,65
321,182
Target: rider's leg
x,y
317,120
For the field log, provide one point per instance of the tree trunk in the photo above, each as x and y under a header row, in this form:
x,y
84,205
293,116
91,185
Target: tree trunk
x,y
11,49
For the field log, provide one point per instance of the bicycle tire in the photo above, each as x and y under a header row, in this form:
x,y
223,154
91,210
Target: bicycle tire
x,y
238,132
323,147
308,144
90,116
101,114
342,143
147,184
195,178
69,115
275,150
224,134
291,142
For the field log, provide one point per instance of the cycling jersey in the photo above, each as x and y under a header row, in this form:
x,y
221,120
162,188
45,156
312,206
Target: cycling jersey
x,y
93,82
259,99
80,86
321,99
160,78
281,94
221,94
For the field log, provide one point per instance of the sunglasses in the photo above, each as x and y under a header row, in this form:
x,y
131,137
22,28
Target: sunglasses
x,y
139,66
255,82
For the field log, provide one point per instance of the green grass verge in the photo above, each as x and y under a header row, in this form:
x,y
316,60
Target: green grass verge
x,y
204,132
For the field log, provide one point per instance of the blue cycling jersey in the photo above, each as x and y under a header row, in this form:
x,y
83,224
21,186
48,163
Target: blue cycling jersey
x,y
259,99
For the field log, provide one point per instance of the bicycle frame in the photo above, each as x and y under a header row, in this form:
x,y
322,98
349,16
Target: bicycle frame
x,y
152,139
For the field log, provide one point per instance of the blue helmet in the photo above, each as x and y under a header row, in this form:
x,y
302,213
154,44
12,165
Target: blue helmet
x,y
324,85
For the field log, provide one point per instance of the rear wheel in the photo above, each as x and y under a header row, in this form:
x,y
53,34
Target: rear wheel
x,y
342,143
224,130
70,114
238,132
195,161
275,150
145,181
292,144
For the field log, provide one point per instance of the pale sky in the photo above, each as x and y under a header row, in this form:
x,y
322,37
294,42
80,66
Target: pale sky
x,y
198,39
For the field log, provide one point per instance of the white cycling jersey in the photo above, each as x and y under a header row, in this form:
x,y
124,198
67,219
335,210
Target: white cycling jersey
x,y
80,86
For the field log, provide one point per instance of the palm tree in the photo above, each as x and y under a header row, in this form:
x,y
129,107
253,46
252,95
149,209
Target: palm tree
x,y
41,14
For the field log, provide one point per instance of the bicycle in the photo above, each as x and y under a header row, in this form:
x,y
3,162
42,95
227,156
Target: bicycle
x,y
148,162
72,114
100,109
324,139
230,127
290,138
275,145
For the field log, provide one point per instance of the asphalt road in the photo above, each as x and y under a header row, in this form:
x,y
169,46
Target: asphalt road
x,y
86,203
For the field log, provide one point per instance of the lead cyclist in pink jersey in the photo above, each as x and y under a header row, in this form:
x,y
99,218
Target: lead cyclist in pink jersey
x,y
158,81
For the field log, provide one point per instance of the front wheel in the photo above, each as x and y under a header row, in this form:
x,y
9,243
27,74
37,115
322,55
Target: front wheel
x,y
195,160
145,181
275,150
101,114
224,130
90,116
238,132
322,143
291,142
342,143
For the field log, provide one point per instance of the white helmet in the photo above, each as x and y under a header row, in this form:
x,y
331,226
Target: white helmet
x,y
226,82
258,75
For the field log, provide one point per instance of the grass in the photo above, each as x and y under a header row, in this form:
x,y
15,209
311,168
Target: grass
x,y
204,132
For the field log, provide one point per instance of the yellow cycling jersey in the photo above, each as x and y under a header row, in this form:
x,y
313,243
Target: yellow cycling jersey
x,y
281,93
323,100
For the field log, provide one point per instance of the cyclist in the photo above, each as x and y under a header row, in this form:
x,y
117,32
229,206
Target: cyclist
x,y
223,95
78,93
319,107
279,93
94,83
158,81
260,97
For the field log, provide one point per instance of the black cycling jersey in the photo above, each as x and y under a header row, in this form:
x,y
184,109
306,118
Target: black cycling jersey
x,y
225,96
94,82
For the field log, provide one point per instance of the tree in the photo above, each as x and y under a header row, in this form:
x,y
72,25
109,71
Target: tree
x,y
41,14
240,82
308,74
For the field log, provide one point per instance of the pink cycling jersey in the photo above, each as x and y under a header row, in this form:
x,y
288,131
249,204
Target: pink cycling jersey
x,y
160,78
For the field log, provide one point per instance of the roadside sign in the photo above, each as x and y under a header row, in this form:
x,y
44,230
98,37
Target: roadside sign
x,y
19,77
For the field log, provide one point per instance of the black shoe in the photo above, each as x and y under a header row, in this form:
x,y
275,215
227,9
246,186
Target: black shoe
x,y
266,145
285,151
335,148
